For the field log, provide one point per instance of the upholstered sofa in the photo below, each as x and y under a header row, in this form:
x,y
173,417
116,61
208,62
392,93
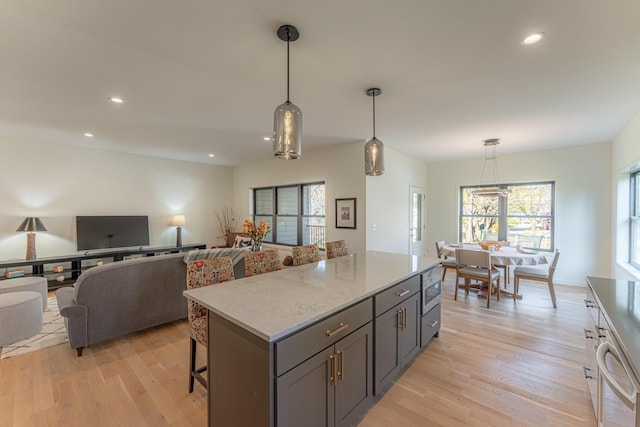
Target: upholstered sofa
x,y
119,298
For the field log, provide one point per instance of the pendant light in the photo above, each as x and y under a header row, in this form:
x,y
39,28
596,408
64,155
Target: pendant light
x,y
287,119
374,148
494,190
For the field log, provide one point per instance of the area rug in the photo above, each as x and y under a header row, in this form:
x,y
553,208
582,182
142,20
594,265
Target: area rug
x,y
53,333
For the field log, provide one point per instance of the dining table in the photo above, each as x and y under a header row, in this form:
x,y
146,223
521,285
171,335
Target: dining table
x,y
505,255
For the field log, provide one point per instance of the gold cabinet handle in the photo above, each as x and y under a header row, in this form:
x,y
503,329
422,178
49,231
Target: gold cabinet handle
x,y
332,378
434,323
404,318
341,327
340,356
403,292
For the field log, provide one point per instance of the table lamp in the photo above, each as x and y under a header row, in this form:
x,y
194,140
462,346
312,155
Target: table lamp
x,y
31,225
179,221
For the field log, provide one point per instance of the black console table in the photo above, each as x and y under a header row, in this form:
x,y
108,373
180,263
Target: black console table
x,y
74,265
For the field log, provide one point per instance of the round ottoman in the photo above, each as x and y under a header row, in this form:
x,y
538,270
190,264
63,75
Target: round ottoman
x,y
20,316
31,283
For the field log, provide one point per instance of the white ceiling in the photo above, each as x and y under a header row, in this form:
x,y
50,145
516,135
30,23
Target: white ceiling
x,y
203,77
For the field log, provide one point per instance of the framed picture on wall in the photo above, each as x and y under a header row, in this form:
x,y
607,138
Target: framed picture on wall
x,y
346,213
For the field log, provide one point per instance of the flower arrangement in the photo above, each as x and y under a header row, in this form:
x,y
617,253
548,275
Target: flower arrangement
x,y
256,232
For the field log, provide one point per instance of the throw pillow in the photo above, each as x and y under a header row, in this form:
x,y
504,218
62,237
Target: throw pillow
x,y
241,242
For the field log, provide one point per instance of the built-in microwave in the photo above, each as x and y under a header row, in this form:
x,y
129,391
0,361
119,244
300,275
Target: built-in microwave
x,y
431,289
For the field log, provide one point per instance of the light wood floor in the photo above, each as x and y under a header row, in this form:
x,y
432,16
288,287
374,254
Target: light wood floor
x,y
512,365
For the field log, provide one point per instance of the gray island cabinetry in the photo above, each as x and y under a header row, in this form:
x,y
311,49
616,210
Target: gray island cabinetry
x,y
300,346
397,329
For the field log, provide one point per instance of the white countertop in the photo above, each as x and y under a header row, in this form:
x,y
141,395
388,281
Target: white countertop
x,y
273,305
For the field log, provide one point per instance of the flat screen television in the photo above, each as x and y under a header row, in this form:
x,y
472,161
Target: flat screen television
x,y
102,232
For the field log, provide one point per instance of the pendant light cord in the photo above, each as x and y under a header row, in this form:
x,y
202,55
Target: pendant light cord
x,y
374,116
288,40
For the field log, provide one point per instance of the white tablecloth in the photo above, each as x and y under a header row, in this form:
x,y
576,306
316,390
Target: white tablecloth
x,y
506,255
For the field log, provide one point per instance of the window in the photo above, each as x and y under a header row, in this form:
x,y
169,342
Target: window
x,y
524,218
296,212
634,219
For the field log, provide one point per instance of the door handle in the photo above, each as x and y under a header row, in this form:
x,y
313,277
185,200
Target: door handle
x,y
404,318
399,318
340,356
332,377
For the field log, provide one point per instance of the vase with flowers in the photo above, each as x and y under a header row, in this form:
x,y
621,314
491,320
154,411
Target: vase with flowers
x,y
256,232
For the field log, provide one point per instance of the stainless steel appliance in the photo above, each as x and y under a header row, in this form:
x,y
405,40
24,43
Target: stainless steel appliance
x,y
431,290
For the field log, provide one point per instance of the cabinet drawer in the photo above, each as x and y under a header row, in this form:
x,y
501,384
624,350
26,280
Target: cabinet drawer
x,y
396,294
432,275
430,325
300,346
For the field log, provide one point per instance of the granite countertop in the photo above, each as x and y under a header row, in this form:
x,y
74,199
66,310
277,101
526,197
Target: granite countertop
x,y
620,302
273,305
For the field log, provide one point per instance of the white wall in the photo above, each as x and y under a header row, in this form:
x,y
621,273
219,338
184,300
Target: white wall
x,y
582,201
625,156
57,182
341,167
388,202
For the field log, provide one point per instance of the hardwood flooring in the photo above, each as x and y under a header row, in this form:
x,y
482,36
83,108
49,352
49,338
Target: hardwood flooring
x,y
515,364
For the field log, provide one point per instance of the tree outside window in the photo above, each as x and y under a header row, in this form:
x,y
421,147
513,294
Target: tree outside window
x,y
525,217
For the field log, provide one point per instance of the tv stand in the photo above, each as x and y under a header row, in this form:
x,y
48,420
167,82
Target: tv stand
x,y
74,265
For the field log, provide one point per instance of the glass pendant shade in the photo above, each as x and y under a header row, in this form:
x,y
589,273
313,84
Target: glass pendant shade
x,y
287,131
374,157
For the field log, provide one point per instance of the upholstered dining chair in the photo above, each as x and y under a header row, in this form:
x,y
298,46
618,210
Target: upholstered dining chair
x,y
200,273
538,274
305,254
336,249
476,265
446,262
261,262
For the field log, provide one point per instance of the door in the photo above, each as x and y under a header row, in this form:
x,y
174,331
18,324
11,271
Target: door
x,y
416,221
305,394
354,375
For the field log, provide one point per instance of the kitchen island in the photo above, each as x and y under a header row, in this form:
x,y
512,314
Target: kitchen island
x,y
298,345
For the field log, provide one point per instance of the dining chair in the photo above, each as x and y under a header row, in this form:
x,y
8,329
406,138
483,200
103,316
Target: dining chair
x,y
447,263
261,262
305,254
476,265
336,249
538,274
200,273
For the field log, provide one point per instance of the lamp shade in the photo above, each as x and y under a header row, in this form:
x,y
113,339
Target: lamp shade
x,y
287,131
374,157
31,223
178,220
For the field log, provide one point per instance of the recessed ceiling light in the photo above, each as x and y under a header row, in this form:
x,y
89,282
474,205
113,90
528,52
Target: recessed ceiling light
x,y
533,38
116,100
88,134
267,138
212,155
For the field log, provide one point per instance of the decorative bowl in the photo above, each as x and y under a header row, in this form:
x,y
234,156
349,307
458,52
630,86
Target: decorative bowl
x,y
487,245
